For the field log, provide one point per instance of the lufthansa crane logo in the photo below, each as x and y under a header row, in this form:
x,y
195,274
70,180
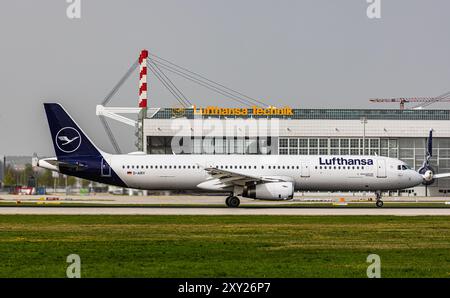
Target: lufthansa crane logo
x,y
68,139
178,112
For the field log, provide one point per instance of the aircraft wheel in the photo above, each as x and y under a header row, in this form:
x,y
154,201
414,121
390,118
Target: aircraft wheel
x,y
227,201
233,202
379,203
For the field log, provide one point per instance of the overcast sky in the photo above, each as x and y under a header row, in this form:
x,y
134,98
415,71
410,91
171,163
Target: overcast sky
x,y
307,54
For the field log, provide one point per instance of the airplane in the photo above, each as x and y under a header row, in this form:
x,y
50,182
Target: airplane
x,y
260,177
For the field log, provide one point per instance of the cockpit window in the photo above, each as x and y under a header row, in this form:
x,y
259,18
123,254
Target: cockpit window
x,y
403,167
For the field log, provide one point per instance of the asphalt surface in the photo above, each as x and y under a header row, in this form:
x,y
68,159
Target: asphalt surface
x,y
222,211
218,200
208,205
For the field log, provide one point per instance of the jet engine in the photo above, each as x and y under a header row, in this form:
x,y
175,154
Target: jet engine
x,y
269,191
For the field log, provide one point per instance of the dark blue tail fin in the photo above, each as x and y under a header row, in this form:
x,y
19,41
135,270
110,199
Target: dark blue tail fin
x,y
68,139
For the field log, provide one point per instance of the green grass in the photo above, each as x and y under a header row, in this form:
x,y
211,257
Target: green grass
x,y
224,246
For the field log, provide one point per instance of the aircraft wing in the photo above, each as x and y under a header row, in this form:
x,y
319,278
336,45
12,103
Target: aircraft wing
x,y
442,175
229,178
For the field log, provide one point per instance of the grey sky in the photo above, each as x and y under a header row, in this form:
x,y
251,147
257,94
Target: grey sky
x,y
307,54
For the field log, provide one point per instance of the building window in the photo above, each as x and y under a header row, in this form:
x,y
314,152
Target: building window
x,y
293,151
303,151
303,143
283,143
159,145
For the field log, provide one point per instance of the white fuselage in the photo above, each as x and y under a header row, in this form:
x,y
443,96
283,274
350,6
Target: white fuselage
x,y
307,172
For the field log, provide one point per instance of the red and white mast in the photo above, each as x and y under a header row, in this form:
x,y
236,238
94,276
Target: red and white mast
x,y
143,79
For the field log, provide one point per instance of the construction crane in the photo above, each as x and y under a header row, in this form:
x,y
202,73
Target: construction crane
x,y
424,101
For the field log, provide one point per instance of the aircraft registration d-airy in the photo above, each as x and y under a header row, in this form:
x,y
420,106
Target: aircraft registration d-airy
x,y
250,176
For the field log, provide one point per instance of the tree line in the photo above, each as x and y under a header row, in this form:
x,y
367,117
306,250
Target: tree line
x,y
43,177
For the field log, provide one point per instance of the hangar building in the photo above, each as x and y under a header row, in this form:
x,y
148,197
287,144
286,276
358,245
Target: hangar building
x,y
394,133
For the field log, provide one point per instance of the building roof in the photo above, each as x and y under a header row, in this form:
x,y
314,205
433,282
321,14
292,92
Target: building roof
x,y
317,114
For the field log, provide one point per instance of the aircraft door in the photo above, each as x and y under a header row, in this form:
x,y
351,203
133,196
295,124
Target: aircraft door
x,y
105,169
305,170
381,168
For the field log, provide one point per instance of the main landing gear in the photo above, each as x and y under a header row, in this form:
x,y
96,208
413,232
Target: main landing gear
x,y
379,202
232,201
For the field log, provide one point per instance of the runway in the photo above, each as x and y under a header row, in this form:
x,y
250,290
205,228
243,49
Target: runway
x,y
224,211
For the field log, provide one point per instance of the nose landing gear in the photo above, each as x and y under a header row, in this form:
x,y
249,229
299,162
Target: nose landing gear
x,y
379,202
232,201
